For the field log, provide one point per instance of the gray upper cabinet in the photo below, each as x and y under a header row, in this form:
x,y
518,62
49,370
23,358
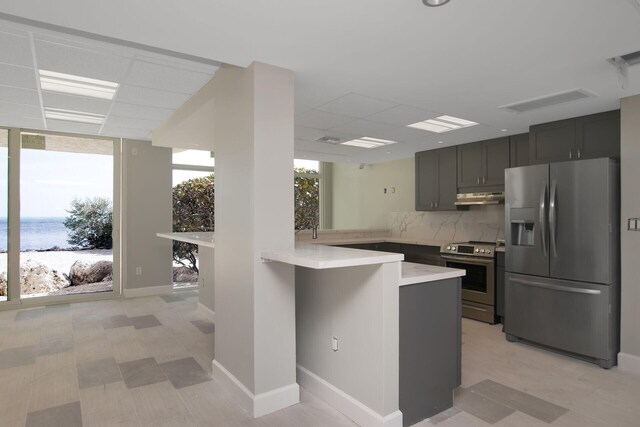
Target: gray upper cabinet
x,y
481,165
519,150
587,137
436,179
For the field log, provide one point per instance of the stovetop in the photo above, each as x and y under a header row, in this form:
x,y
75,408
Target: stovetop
x,y
472,248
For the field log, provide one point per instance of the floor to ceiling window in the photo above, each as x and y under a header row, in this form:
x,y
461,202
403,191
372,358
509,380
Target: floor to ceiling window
x,y
4,197
66,215
306,185
193,209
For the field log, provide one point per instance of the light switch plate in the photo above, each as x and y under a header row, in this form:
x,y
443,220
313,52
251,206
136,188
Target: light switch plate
x,y
633,224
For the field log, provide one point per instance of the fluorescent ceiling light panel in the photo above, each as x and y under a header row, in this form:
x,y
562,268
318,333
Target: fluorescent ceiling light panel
x,y
368,142
443,124
73,116
77,85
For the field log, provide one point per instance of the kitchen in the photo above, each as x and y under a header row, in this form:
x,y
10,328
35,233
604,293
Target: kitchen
x,y
378,193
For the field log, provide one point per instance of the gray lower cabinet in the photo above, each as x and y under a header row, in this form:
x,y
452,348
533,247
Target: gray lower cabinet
x,y
586,137
481,165
519,150
436,180
430,348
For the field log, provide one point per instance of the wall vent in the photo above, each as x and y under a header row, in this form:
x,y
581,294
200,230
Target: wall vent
x,y
329,140
547,101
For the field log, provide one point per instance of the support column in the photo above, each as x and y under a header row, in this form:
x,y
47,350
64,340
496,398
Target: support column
x,y
255,350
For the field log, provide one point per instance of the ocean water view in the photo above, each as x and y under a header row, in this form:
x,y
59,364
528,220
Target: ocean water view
x,y
37,233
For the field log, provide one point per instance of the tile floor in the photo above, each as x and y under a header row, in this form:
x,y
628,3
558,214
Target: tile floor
x,y
147,361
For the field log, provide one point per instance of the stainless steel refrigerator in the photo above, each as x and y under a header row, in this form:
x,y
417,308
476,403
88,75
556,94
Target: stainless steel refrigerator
x,y
562,239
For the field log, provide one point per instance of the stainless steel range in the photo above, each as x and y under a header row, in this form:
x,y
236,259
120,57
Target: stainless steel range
x,y
478,286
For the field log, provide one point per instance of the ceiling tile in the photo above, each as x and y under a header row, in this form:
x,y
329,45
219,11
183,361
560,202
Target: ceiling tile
x,y
72,127
407,134
402,115
12,75
120,132
132,123
321,120
80,62
20,110
354,105
16,50
75,103
21,122
364,128
310,134
151,97
140,111
19,96
156,76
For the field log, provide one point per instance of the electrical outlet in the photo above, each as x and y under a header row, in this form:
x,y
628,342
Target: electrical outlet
x,y
334,343
138,271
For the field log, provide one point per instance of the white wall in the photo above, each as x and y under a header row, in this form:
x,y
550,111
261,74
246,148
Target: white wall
x,y
359,200
147,210
630,240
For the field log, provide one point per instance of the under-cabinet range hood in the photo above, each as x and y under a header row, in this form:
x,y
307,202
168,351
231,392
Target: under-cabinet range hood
x,y
469,199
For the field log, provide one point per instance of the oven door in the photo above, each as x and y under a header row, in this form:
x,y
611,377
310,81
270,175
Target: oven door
x,y
478,284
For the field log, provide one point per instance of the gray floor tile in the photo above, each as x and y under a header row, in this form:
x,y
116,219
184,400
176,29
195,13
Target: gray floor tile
x,y
141,322
141,372
184,372
118,321
520,401
172,298
57,308
68,415
55,344
444,415
19,356
479,406
98,372
204,325
35,313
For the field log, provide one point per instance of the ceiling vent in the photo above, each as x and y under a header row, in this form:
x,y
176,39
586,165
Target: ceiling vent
x,y
547,101
328,140
629,59
635,3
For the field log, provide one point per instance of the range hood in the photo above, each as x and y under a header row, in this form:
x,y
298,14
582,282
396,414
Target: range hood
x,y
469,199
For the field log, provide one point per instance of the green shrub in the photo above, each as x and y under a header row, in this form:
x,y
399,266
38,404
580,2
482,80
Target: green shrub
x,y
90,223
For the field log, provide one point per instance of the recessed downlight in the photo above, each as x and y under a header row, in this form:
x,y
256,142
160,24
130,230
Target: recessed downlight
x,y
435,3
77,85
368,142
443,124
73,116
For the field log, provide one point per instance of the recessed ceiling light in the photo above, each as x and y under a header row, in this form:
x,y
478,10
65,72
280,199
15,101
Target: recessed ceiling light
x,y
440,142
443,124
73,116
434,3
368,142
504,130
77,85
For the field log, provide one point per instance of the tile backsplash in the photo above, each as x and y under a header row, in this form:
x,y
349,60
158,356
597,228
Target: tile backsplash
x,y
485,223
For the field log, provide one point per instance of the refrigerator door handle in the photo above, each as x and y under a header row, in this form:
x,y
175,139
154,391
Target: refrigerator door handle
x,y
553,218
556,287
543,218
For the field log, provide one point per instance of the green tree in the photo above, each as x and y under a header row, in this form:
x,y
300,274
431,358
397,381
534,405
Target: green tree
x,y
90,223
193,210
306,192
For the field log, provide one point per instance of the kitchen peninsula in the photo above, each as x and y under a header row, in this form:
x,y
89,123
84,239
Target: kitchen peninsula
x,y
360,316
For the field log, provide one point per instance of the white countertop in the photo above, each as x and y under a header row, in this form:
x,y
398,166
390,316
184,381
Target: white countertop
x,y
356,240
202,238
420,273
319,256
500,249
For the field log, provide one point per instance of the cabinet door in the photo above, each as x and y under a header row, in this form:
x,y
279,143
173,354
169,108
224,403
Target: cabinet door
x,y
552,142
598,135
447,179
469,165
426,180
519,150
495,161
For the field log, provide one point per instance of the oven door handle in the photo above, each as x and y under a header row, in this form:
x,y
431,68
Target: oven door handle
x,y
468,260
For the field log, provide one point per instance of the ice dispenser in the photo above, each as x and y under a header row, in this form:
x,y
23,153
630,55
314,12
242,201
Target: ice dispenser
x,y
522,227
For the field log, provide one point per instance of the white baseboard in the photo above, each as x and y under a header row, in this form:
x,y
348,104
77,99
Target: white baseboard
x,y
629,362
256,405
148,291
348,405
207,312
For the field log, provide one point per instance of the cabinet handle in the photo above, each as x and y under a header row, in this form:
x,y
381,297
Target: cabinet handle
x,y
431,205
570,154
478,180
436,204
484,179
578,153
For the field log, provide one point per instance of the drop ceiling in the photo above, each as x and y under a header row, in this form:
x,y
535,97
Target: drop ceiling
x,y
368,67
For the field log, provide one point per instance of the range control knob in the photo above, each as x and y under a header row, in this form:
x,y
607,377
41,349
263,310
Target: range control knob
x,y
488,251
477,250
481,251
448,248
453,248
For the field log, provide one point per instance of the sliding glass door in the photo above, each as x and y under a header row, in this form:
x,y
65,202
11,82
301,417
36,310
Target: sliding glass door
x,y
4,208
